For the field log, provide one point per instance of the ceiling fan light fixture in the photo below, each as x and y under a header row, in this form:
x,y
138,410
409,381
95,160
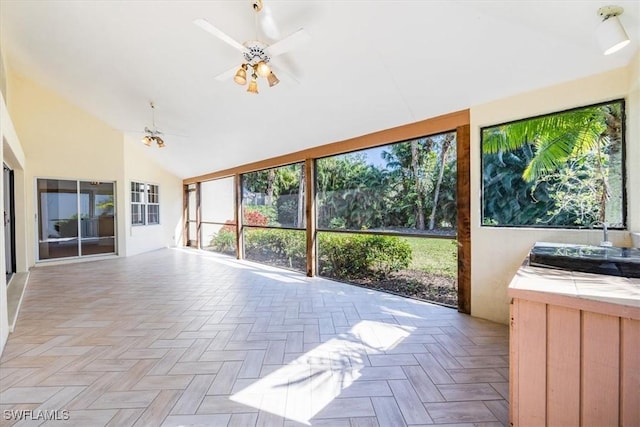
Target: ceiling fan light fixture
x,y
272,79
241,75
152,134
610,34
262,69
253,86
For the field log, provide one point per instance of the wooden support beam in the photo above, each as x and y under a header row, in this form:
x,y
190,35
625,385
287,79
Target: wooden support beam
x,y
238,216
185,215
198,217
463,152
310,211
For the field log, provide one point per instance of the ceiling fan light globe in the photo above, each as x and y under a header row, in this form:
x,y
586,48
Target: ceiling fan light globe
x,y
159,141
263,69
241,77
272,79
253,87
146,141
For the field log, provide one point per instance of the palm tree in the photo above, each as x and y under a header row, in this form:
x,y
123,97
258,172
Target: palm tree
x,y
558,138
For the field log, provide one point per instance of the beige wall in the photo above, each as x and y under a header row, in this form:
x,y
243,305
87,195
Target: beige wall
x,y
139,167
62,141
496,253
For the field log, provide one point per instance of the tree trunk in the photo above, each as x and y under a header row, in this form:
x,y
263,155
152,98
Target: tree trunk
x,y
446,144
271,178
415,169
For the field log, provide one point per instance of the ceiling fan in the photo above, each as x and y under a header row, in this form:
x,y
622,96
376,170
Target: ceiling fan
x,y
153,134
257,55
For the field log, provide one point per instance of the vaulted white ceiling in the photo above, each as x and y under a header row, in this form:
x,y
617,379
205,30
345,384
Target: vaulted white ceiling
x,y
369,65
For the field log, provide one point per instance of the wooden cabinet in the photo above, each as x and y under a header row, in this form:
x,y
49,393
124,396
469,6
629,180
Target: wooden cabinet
x,y
574,360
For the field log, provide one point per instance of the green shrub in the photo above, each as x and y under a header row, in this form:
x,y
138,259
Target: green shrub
x,y
280,247
338,223
355,256
224,241
344,256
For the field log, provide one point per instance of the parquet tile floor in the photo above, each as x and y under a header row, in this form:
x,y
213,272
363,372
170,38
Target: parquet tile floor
x,y
178,337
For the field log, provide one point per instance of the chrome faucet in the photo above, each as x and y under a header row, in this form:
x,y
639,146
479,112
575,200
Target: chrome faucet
x,y
606,241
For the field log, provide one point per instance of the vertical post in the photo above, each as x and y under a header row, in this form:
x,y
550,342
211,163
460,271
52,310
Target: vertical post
x,y
463,153
185,215
310,211
198,217
238,216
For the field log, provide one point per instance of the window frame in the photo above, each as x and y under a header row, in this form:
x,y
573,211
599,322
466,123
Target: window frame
x,y
624,201
143,190
153,200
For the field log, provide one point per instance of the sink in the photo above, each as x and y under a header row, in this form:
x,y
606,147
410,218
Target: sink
x,y
612,261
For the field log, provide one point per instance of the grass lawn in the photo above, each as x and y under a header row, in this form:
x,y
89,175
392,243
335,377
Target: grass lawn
x,y
437,256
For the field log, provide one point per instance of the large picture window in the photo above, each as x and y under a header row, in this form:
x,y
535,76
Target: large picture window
x,y
563,170
145,204
387,217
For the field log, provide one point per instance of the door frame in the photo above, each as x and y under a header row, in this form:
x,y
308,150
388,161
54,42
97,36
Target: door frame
x,y
9,174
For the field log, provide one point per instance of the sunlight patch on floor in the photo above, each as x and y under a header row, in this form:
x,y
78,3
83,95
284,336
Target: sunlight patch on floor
x,y
305,386
280,277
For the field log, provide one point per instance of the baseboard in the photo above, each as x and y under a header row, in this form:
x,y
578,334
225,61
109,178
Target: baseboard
x,y
15,293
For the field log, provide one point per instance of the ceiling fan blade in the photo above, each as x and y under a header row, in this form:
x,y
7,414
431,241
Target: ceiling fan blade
x,y
288,43
225,75
210,28
268,24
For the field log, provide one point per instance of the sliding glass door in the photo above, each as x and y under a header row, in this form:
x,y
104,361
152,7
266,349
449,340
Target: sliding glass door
x,y
75,218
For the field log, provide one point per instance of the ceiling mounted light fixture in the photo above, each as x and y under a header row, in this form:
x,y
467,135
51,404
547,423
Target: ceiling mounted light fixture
x,y
257,58
272,79
241,75
257,54
153,135
610,33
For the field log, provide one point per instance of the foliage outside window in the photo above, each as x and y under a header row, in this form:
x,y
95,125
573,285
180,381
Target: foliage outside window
x,y
274,197
562,170
405,187
418,267
273,216
145,204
